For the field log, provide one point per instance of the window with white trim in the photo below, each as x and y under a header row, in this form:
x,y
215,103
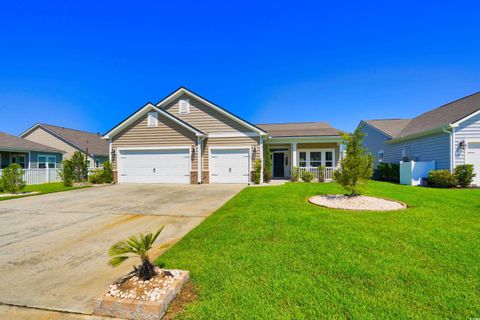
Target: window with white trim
x,y
184,106
302,159
380,156
152,119
47,162
316,158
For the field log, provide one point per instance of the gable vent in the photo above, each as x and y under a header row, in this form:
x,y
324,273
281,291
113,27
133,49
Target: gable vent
x,y
184,106
152,120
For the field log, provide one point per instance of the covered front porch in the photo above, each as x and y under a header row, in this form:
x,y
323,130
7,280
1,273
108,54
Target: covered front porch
x,y
308,154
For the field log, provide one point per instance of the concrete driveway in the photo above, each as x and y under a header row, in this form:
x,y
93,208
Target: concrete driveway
x,y
53,247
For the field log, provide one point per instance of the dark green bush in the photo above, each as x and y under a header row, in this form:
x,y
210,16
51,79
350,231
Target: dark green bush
x,y
442,179
464,174
307,176
267,164
388,172
12,178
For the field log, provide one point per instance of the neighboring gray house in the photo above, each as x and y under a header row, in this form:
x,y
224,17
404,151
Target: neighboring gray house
x,y
70,140
28,154
449,135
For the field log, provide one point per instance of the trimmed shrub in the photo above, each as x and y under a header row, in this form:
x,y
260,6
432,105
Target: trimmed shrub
x,y
257,173
441,179
107,172
307,176
12,178
96,177
321,174
295,174
464,174
388,172
66,173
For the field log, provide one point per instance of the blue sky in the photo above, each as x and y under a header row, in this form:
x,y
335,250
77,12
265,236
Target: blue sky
x,y
88,65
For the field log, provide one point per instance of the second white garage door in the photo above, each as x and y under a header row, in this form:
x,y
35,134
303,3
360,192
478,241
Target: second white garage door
x,y
229,165
473,157
155,166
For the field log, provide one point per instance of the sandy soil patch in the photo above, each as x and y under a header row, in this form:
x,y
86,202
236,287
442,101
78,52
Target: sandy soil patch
x,y
364,203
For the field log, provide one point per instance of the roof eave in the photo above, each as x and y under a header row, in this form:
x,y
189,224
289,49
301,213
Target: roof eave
x,y
418,135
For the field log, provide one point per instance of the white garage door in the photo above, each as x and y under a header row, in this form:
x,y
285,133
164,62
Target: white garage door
x,y
473,157
155,166
229,165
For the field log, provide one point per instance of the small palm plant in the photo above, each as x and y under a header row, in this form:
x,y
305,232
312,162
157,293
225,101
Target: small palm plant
x,y
137,245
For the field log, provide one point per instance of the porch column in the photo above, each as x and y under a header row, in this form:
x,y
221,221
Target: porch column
x,y
294,155
261,158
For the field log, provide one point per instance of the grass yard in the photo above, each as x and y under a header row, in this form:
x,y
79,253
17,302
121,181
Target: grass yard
x,y
43,189
268,254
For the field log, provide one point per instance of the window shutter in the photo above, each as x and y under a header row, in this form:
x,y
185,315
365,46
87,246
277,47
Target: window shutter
x,y
184,106
152,120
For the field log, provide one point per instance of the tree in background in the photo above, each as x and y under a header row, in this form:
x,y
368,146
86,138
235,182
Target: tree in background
x,y
79,166
12,179
267,163
357,166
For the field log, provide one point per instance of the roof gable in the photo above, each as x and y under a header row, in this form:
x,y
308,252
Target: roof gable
x,y
142,111
184,91
389,127
82,140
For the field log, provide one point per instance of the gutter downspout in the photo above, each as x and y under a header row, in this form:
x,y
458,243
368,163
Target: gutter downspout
x,y
199,160
444,129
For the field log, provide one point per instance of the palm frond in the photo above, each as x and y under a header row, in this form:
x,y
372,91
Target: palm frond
x,y
116,261
119,248
157,233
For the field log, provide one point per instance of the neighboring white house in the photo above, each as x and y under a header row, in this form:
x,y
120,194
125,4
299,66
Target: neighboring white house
x,y
448,135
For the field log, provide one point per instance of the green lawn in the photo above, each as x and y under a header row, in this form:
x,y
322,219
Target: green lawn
x,y
268,254
43,189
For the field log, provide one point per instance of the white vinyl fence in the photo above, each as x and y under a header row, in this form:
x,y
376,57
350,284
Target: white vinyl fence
x,y
327,172
39,176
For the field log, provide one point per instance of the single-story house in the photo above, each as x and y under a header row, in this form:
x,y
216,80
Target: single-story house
x,y
70,140
448,135
28,154
186,138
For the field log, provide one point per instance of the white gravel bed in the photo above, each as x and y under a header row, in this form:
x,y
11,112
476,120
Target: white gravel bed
x,y
364,203
17,194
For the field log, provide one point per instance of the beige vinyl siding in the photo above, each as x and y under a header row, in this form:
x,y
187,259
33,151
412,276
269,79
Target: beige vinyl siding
x,y
205,118
167,134
39,135
228,142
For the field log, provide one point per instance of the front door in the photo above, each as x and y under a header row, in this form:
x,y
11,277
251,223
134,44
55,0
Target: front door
x,y
278,161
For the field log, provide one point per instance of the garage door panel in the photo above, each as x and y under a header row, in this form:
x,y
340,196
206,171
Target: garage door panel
x,y
230,165
473,157
155,166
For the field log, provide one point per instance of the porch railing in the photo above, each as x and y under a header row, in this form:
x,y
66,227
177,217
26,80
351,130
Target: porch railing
x,y
39,176
327,172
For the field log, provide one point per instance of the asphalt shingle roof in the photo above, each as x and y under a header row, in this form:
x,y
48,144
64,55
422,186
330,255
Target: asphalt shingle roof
x,y
444,115
14,143
299,129
86,141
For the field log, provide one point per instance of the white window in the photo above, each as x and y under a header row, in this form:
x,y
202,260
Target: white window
x,y
152,120
315,158
97,164
47,162
380,156
405,154
184,106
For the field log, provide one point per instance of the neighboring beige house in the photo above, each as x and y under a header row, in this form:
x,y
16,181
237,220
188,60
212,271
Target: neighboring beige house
x,y
69,141
187,139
